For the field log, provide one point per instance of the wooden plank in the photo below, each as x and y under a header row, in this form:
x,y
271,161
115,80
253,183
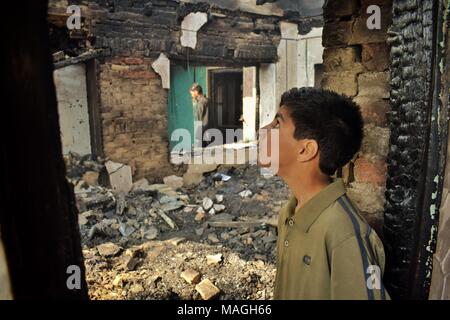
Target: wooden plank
x,y
241,224
95,121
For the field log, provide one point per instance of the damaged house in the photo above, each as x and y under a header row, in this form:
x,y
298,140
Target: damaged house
x,y
134,62
122,70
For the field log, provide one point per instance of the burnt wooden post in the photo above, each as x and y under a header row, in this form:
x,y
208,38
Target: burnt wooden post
x,y
38,217
419,130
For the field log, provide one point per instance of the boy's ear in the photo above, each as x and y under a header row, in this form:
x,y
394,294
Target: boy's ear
x,y
308,150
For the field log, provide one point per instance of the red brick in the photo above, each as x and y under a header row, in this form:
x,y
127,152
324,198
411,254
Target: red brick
x,y
139,74
370,172
133,60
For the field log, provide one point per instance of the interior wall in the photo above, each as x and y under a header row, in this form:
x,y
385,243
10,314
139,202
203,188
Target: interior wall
x,y
297,55
70,84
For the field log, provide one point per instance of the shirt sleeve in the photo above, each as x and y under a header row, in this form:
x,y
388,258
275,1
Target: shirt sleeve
x,y
354,274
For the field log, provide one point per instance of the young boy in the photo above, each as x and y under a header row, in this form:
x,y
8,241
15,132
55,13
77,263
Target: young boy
x,y
325,249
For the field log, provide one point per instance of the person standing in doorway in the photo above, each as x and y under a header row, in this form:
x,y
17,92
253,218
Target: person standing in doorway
x,y
200,108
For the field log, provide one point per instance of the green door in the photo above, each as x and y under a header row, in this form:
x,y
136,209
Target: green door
x,y
180,102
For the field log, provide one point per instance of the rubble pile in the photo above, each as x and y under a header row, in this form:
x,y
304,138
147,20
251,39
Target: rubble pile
x,y
166,241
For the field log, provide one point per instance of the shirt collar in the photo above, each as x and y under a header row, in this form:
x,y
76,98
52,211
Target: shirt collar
x,y
311,210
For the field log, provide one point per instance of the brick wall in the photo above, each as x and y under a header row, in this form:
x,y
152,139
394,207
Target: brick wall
x,y
134,113
356,63
146,29
133,103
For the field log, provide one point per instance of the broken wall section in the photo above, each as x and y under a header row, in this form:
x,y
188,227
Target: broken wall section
x,y
356,63
133,106
147,29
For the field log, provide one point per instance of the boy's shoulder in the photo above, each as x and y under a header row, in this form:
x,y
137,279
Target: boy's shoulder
x,y
341,221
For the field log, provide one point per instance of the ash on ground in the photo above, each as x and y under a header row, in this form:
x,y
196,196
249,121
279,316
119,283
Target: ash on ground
x,y
213,240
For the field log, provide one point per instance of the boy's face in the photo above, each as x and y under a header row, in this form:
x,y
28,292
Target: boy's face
x,y
293,154
286,142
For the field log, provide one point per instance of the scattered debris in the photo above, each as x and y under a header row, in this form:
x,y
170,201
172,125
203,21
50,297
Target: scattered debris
x,y
170,203
117,281
119,176
219,208
141,184
207,203
136,289
167,219
176,241
207,289
213,238
237,224
221,177
219,198
214,259
91,178
83,217
173,181
108,249
163,231
245,194
120,204
191,276
126,230
200,215
151,233
199,231
131,259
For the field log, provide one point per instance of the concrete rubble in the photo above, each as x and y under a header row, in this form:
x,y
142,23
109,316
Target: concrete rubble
x,y
136,242
207,289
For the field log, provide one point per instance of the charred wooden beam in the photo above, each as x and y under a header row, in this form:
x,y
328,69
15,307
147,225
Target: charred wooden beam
x,y
88,55
419,127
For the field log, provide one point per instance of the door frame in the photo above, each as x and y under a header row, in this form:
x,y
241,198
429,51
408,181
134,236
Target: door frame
x,y
211,71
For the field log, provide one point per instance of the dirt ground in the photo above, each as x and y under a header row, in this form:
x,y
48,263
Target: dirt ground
x,y
132,252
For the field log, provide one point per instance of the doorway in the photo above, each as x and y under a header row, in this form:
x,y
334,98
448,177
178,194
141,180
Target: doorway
x,y
225,92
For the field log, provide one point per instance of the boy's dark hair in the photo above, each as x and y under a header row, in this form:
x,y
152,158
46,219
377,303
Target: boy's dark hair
x,y
333,120
196,87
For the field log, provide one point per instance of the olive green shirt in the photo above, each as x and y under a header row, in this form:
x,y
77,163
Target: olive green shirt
x,y
326,250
